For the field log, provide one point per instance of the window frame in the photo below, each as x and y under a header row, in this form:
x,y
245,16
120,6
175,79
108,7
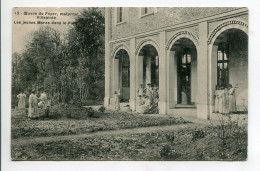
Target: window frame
x,y
153,10
124,56
123,17
224,72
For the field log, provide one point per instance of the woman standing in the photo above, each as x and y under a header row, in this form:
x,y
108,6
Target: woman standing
x,y
149,93
43,98
232,99
117,100
33,106
21,103
225,101
221,99
140,93
217,99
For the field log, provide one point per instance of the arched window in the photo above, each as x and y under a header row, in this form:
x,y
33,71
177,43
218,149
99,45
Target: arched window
x,y
125,70
184,76
223,68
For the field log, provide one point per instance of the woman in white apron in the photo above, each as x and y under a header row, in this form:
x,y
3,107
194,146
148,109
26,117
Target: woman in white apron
x,y
117,100
21,103
220,100
33,106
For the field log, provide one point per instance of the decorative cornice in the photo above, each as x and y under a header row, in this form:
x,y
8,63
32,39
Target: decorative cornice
x,y
231,22
182,33
118,47
144,42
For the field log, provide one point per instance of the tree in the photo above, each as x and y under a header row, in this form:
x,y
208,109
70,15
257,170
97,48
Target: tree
x,y
86,50
71,70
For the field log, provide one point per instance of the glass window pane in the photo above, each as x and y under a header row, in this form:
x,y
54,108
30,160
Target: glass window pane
x,y
219,55
225,65
146,10
121,14
184,59
125,61
225,56
189,58
156,60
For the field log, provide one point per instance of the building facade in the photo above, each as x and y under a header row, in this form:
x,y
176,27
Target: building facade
x,y
185,52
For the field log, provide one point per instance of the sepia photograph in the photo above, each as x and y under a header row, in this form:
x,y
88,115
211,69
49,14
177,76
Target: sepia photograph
x,y
129,84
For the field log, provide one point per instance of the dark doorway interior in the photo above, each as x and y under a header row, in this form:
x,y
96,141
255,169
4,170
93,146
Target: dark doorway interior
x,y
184,77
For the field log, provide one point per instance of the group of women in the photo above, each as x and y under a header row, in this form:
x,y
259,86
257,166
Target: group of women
x,y
147,96
225,99
33,103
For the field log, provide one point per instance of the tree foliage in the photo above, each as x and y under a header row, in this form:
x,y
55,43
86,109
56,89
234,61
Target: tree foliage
x,y
70,67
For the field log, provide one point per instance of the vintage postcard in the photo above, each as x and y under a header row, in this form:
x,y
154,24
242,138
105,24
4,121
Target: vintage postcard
x,y
129,84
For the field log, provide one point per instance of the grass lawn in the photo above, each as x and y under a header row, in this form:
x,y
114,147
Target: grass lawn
x,y
185,143
146,146
22,127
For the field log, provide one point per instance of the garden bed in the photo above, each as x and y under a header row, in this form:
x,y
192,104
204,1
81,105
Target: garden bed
x,y
166,145
76,122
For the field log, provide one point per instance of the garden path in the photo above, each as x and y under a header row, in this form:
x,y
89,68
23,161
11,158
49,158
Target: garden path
x,y
26,141
196,123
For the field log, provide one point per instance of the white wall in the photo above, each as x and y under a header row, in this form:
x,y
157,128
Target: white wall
x,y
238,72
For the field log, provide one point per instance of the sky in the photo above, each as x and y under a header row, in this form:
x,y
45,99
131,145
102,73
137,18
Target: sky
x,y
21,31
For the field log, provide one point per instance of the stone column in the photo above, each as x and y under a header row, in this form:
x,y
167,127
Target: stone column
x,y
202,103
162,74
175,78
139,76
172,73
132,100
107,60
212,76
139,70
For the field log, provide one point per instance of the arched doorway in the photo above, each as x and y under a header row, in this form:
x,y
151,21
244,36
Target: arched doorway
x,y
149,66
122,74
183,73
230,63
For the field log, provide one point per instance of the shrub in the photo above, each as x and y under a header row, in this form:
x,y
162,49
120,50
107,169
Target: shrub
x,y
167,152
102,109
55,112
170,137
198,134
90,112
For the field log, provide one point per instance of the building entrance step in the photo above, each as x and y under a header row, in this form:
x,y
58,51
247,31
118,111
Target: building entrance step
x,y
184,106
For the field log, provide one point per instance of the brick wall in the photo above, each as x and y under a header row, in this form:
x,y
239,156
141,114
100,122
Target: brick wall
x,y
163,18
